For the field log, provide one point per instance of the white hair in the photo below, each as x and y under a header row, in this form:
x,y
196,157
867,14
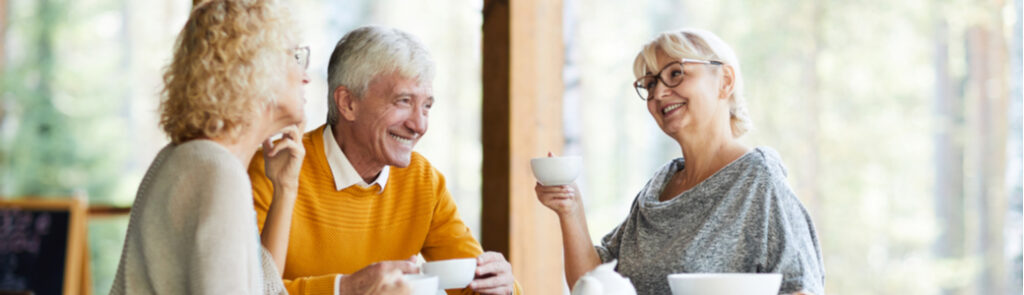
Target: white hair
x,y
699,44
369,51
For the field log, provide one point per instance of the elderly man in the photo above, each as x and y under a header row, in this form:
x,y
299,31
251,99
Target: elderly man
x,y
366,202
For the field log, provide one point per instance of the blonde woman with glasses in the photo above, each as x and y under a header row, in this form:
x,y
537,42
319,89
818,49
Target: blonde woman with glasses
x,y
720,207
236,80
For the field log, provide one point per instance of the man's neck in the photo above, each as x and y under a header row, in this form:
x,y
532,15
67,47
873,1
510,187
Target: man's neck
x,y
367,168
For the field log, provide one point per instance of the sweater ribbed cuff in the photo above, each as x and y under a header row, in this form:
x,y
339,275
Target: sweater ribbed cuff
x,y
318,285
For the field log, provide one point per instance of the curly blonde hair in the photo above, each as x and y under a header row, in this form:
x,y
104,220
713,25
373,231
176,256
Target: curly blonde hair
x,y
227,64
699,44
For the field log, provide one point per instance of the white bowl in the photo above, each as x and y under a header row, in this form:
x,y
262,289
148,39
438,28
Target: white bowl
x,y
725,283
452,273
556,170
421,284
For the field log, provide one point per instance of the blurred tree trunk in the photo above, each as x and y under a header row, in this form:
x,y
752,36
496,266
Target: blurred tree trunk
x,y
3,57
810,191
43,125
47,24
1014,163
949,151
3,43
987,97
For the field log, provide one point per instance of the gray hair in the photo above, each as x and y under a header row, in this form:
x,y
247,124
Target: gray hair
x,y
368,51
699,44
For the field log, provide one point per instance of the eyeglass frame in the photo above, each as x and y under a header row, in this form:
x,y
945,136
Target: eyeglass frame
x,y
681,62
301,55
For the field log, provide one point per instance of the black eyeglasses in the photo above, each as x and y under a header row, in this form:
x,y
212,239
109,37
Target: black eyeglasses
x,y
671,76
302,56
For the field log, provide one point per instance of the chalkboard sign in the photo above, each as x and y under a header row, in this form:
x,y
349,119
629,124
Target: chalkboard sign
x,y
42,243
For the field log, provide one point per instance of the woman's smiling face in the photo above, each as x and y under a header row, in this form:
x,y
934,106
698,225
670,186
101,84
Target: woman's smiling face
x,y
690,106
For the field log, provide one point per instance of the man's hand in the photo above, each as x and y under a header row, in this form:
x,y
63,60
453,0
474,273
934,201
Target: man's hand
x,y
493,275
382,278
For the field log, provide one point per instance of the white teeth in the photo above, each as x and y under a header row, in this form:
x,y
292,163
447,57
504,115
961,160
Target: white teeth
x,y
671,107
402,140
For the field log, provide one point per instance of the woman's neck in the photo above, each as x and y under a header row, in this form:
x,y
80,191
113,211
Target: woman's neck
x,y
708,152
249,140
242,148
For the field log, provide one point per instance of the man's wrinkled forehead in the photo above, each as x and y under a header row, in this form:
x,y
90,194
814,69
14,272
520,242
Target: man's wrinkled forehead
x,y
401,85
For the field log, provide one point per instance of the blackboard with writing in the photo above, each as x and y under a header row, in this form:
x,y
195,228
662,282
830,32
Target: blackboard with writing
x,y
33,246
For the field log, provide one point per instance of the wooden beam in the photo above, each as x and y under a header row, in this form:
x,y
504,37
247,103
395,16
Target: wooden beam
x,y
522,107
109,211
495,127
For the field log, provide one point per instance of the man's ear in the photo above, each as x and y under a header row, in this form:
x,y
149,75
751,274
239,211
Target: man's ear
x,y
728,82
346,103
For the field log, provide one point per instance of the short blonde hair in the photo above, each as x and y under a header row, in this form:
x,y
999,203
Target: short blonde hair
x,y
704,45
226,67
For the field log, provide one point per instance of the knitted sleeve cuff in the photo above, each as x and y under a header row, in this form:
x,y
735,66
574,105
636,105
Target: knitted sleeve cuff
x,y
318,285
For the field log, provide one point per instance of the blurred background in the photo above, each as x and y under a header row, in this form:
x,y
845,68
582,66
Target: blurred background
x,y
899,121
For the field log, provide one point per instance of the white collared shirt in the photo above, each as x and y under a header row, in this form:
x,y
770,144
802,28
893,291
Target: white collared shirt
x,y
344,174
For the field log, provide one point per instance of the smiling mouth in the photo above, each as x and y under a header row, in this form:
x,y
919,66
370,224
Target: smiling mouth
x,y
402,140
672,107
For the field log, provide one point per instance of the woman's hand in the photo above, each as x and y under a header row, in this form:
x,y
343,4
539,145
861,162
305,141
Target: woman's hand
x,y
283,160
577,250
282,163
565,200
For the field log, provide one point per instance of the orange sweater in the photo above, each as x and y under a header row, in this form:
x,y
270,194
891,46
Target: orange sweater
x,y
339,232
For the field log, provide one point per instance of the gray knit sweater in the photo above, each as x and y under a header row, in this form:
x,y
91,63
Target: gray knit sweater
x,y
193,229
744,218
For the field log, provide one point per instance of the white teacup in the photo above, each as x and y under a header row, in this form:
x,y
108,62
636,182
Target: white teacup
x,y
452,273
421,284
551,171
724,283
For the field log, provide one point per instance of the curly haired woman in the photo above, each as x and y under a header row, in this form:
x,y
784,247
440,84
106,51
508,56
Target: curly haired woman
x,y
236,80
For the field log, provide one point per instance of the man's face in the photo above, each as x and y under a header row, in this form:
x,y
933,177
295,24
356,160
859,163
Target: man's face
x,y
391,117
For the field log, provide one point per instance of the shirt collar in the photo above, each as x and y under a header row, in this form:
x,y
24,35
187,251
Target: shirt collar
x,y
344,174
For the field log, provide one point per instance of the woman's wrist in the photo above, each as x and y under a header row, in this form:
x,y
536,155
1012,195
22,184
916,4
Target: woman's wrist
x,y
576,213
285,192
572,218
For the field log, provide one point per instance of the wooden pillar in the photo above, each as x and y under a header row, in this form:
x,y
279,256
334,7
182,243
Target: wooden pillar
x,y
522,107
